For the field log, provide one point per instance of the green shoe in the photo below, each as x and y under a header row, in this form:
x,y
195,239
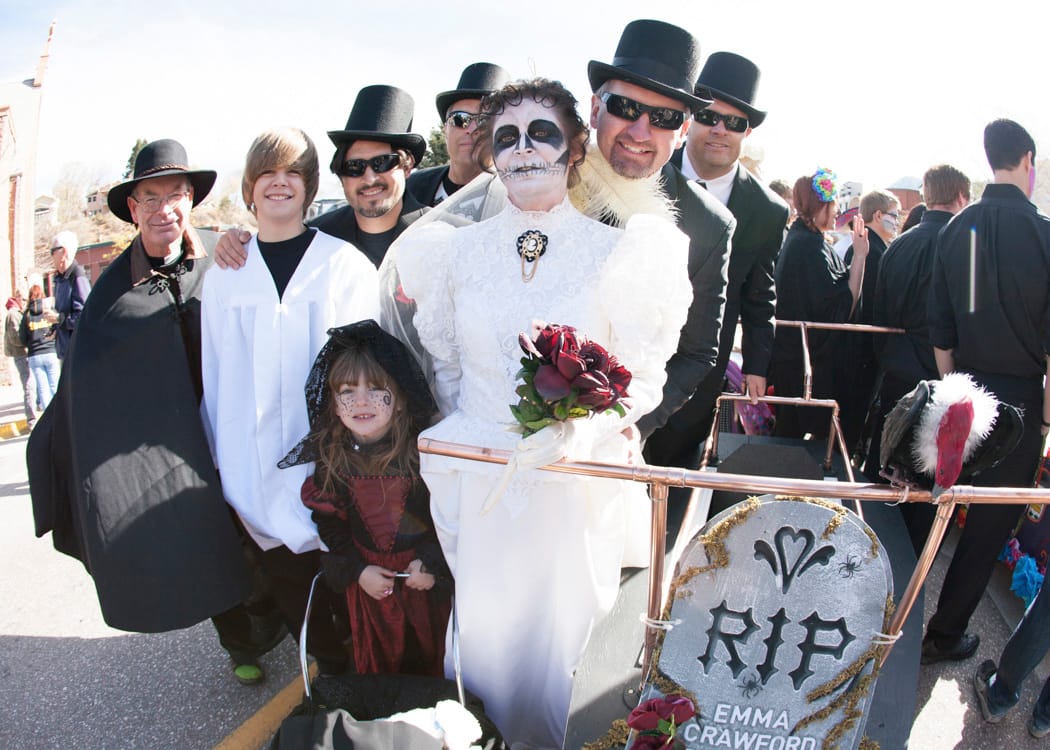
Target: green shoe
x,y
248,674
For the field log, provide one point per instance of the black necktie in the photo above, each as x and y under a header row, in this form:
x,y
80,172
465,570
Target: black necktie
x,y
702,184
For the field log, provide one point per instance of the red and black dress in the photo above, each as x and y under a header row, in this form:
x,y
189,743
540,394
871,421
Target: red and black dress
x,y
385,521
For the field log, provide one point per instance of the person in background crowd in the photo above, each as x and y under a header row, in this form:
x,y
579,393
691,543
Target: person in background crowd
x,y
16,351
71,289
914,217
901,297
991,322
36,333
813,284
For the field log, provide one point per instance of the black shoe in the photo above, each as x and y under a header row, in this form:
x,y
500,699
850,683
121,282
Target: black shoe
x,y
963,648
1038,728
981,687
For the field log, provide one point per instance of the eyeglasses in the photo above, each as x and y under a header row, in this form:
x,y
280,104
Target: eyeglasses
x,y
893,214
155,203
461,119
710,118
665,118
379,164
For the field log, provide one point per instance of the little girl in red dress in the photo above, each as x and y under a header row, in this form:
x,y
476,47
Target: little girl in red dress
x,y
368,402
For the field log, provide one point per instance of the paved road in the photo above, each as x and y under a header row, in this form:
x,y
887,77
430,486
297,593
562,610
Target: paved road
x,y
69,681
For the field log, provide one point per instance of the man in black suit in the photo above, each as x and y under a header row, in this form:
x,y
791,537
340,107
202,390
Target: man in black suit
x,y
640,113
458,110
712,159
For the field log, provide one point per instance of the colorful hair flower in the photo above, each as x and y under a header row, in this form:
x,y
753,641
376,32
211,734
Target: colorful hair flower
x,y
824,185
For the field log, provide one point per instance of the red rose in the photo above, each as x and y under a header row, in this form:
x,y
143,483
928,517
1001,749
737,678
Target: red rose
x,y
648,715
655,742
595,356
527,346
550,384
594,391
553,338
619,376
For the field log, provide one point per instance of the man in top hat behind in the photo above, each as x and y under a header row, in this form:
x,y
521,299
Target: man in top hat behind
x,y
374,155
119,465
712,159
641,111
458,110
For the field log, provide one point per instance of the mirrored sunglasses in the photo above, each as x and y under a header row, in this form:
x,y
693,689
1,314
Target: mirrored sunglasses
x,y
462,119
379,164
665,118
710,118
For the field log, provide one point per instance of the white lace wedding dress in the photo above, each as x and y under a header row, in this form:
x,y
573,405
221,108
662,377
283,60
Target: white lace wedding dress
x,y
535,573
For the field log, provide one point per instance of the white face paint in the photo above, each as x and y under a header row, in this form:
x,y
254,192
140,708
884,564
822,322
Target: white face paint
x,y
365,409
531,155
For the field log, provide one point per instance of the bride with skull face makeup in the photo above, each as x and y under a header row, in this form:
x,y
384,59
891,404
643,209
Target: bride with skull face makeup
x,y
538,564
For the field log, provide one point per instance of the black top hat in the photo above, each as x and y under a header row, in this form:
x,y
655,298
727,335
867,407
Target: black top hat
x,y
381,113
477,80
159,159
734,80
656,56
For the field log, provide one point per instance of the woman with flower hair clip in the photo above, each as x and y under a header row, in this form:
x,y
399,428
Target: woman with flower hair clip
x,y
813,284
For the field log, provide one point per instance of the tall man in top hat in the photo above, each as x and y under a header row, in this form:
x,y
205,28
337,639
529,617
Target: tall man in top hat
x,y
119,465
458,110
711,157
374,155
640,111
992,322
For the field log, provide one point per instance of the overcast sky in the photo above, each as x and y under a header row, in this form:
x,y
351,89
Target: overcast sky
x,y
875,91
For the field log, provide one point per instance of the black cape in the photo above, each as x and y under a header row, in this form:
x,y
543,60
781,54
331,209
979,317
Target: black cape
x,y
119,465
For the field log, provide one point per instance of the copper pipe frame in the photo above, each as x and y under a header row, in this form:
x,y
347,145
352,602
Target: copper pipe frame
x,y
661,477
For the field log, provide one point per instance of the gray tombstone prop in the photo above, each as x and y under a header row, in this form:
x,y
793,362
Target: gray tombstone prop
x,y
776,609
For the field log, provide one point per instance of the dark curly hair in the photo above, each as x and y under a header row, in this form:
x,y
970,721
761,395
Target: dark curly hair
x,y
552,95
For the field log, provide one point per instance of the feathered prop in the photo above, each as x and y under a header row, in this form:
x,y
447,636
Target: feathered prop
x,y
606,196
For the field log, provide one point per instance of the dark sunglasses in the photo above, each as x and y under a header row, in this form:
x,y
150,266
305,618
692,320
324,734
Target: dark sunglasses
x,y
665,118
710,118
379,164
462,119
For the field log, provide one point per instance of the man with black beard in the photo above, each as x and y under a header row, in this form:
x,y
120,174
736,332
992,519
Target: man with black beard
x,y
374,155
641,111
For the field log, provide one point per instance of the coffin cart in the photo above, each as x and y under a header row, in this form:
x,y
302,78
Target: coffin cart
x,y
862,701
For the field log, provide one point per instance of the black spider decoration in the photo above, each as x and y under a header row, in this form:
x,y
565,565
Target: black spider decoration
x,y
849,568
750,686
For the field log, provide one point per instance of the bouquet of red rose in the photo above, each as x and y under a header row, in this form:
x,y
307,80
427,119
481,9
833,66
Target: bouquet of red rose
x,y
656,722
565,376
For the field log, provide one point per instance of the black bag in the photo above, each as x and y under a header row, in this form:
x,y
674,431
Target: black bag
x,y
338,711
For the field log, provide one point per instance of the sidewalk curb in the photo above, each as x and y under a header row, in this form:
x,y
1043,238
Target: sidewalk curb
x,y
17,428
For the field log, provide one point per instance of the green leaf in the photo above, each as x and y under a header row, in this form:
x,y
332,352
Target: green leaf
x,y
539,424
578,411
618,408
561,411
531,412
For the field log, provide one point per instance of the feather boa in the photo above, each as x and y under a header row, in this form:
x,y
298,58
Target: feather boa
x,y
606,196
951,388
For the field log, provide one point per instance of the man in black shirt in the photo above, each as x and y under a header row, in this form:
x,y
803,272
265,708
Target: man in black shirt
x,y
374,155
900,301
458,110
989,315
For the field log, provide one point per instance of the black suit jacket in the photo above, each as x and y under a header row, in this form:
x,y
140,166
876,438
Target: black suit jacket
x,y
342,223
423,184
709,226
761,218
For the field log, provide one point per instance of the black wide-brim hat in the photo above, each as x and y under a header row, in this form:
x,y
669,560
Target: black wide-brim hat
x,y
159,159
477,80
733,79
657,56
384,114
392,356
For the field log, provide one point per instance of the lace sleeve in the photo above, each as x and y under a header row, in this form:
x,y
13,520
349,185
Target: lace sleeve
x,y
645,288
422,263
